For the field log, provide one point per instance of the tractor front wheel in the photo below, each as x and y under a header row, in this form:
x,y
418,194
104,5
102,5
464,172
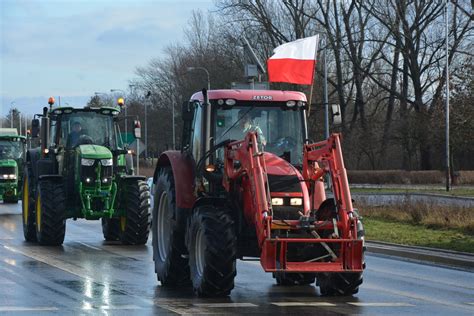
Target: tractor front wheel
x,y
171,264
212,247
50,208
135,225
111,228
27,208
289,279
338,284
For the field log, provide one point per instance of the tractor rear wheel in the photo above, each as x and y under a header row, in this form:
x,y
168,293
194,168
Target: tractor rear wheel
x,y
134,227
337,284
212,247
289,279
171,265
50,208
27,208
111,228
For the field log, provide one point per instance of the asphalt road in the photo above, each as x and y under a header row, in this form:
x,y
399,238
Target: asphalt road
x,y
90,276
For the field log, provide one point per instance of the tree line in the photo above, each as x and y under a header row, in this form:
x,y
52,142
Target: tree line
x,y
386,64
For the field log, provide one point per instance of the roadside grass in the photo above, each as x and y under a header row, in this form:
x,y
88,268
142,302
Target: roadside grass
x,y
420,224
417,235
464,192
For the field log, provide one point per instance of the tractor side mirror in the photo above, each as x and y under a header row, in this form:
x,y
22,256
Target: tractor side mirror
x,y
137,129
336,114
187,112
35,128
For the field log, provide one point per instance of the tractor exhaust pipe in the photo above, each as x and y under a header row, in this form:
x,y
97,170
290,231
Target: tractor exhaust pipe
x,y
44,132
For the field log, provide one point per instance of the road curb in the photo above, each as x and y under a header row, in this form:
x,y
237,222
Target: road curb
x,y
431,255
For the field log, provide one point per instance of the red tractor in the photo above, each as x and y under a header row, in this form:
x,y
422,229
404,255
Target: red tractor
x,y
248,183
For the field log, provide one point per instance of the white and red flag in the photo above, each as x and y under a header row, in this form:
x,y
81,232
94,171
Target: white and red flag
x,y
294,62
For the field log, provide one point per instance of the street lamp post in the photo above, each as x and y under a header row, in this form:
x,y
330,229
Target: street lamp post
x,y
448,166
207,73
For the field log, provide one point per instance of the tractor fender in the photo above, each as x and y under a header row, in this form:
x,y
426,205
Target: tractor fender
x,y
182,166
132,178
32,156
54,177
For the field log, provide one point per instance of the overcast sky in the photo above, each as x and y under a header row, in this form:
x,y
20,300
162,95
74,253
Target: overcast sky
x,y
73,48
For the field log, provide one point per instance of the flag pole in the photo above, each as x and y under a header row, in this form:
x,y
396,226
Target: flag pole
x,y
312,82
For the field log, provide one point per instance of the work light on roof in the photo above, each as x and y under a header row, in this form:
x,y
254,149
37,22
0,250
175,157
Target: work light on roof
x,y
230,102
290,103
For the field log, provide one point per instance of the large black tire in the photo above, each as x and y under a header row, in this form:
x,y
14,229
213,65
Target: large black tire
x,y
50,213
111,228
10,199
169,249
337,284
212,247
28,208
290,279
135,225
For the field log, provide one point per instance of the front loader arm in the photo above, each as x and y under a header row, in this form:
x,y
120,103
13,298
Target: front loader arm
x,y
244,158
328,153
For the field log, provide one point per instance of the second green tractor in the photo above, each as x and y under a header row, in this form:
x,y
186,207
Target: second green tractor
x,y
83,170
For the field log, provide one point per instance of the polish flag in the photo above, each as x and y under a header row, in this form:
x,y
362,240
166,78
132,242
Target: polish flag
x,y
294,62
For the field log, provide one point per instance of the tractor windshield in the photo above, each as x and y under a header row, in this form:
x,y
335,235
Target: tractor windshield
x,y
280,130
80,128
11,149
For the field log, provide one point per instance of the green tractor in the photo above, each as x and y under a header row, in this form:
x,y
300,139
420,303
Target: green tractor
x,y
12,151
83,170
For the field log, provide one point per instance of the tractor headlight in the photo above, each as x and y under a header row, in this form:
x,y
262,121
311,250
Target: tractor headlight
x,y
8,176
296,202
106,162
87,162
277,201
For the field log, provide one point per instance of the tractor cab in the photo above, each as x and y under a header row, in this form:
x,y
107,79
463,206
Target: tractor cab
x,y
277,117
12,152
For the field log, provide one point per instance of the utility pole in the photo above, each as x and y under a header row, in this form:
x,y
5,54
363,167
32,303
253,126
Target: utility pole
x,y
448,165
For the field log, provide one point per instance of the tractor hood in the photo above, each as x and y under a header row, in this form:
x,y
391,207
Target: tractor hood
x,y
8,163
94,152
279,166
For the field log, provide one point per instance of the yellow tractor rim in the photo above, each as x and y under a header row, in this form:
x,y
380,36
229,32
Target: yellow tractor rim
x,y
123,223
25,200
38,213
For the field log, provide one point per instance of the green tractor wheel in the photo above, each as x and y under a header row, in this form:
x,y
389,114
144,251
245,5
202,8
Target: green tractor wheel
x,y
111,228
50,207
28,212
134,227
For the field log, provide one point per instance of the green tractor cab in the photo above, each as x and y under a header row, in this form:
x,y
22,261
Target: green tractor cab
x,y
12,151
82,170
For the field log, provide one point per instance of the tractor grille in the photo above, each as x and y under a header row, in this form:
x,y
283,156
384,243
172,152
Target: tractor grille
x,y
88,172
7,170
106,175
279,183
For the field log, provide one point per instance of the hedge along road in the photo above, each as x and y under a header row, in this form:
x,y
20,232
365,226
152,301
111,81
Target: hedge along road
x,y
375,199
88,276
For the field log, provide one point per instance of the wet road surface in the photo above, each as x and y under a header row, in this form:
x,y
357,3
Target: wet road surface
x,y
90,276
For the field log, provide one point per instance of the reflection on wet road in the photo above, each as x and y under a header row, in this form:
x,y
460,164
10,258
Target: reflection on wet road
x,y
90,276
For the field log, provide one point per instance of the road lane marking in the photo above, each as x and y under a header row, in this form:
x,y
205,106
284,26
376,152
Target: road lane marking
x,y
27,309
470,303
89,246
119,307
224,305
381,304
291,304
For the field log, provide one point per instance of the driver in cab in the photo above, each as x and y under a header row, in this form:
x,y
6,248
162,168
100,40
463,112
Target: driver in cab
x,y
248,124
75,134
